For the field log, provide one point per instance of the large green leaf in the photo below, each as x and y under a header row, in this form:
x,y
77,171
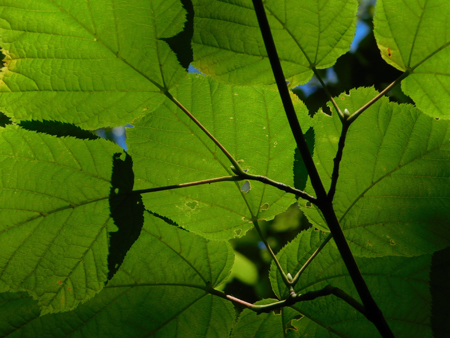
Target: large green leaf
x,y
393,192
228,45
168,148
94,64
415,36
159,291
399,285
55,216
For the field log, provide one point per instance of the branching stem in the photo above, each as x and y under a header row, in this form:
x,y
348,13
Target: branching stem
x,y
325,205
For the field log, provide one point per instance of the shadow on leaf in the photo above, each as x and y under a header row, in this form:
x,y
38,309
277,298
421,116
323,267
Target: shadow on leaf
x,y
300,172
59,129
127,211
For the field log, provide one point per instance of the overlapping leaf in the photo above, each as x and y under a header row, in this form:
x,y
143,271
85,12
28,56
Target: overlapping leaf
x,y
399,285
392,196
160,290
228,45
168,148
415,36
92,63
55,216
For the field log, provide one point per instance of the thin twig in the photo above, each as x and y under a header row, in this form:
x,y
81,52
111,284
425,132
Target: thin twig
x,y
310,259
330,97
282,186
189,184
330,290
286,280
353,117
237,169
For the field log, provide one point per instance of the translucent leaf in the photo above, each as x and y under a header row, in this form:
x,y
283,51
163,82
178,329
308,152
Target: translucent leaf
x,y
228,45
55,216
399,285
415,36
159,291
392,196
92,63
168,148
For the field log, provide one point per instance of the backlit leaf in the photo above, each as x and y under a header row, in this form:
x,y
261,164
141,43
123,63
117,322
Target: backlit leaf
x,y
399,285
416,38
93,64
393,192
228,45
168,148
159,291
55,216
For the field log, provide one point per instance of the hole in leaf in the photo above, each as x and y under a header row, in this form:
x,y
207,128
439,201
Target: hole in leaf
x,y
246,187
290,325
264,207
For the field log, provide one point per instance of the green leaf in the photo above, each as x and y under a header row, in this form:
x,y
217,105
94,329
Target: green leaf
x,y
392,196
228,45
399,285
92,63
160,290
55,216
15,310
416,38
263,325
168,148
